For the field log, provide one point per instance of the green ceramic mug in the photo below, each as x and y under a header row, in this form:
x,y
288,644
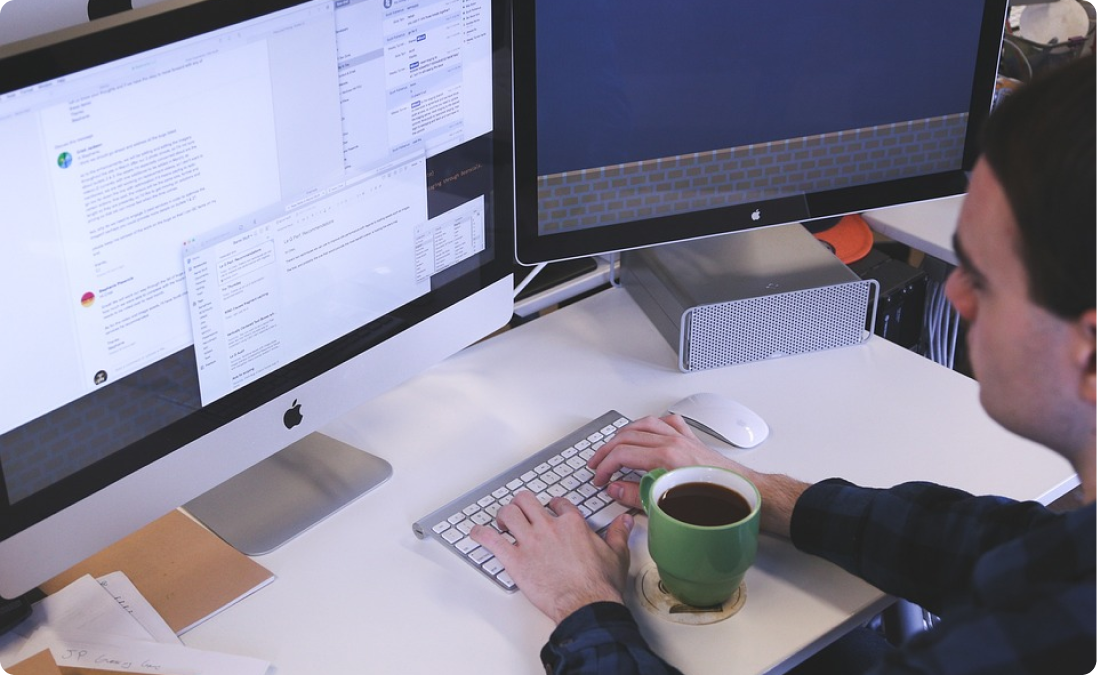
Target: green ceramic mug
x,y
702,530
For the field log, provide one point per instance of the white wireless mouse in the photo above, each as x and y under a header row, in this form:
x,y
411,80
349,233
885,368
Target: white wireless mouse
x,y
724,418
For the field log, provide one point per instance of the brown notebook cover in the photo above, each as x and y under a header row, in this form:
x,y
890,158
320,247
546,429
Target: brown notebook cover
x,y
186,572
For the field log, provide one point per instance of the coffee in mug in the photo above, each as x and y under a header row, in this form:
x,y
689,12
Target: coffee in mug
x,y
704,504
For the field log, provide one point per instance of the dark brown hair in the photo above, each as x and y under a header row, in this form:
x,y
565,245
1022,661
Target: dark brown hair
x,y
1039,142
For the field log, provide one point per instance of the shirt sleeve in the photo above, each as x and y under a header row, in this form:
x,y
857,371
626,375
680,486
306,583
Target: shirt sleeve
x,y
602,638
918,541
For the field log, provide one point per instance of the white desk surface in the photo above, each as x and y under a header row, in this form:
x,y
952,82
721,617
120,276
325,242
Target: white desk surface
x,y
360,594
926,226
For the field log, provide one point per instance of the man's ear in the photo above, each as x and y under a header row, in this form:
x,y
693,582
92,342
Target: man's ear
x,y
1086,354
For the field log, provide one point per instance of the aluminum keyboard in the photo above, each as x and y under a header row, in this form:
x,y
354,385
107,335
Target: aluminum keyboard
x,y
558,470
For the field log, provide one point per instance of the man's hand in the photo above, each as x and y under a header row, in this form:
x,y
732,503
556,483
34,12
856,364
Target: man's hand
x,y
651,443
670,443
557,560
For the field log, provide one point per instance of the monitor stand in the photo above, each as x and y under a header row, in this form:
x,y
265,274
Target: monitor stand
x,y
268,504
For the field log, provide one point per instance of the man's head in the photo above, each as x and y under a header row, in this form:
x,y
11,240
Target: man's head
x,y
1026,280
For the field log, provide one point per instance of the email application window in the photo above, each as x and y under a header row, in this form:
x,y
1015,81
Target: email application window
x,y
125,162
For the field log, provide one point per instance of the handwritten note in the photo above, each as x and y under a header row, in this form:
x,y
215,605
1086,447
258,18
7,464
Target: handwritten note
x,y
131,600
152,658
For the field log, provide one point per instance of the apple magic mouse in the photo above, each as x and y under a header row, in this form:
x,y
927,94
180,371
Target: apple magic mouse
x,y
724,418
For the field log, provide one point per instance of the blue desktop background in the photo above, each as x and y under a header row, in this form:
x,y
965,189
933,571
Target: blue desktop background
x,y
625,80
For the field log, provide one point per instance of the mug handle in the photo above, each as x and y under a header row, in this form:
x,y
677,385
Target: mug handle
x,y
646,481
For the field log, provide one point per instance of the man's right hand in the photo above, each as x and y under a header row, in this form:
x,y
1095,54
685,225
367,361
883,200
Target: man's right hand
x,y
668,442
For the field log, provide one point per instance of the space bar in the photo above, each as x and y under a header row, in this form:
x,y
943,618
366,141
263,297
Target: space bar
x,y
601,519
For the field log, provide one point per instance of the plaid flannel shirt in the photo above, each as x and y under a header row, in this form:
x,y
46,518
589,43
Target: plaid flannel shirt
x,y
1012,582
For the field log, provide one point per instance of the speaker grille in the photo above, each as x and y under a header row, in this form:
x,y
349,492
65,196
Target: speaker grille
x,y
770,326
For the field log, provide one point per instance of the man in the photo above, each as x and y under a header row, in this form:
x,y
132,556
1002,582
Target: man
x,y
1012,582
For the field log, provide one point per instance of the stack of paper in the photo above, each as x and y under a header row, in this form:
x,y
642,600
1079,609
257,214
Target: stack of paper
x,y
96,620
107,626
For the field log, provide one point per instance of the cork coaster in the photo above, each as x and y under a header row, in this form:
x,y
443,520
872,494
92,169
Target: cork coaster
x,y
659,602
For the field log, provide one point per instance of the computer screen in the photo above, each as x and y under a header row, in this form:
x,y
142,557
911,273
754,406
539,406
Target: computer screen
x,y
648,122
227,223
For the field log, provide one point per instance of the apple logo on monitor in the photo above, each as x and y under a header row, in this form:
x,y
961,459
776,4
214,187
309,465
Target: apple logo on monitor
x,y
756,215
293,416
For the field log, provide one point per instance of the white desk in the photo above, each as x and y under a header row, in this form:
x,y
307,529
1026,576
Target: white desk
x,y
359,593
925,226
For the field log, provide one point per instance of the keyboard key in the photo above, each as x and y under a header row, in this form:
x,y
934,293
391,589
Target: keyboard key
x,y
594,504
587,490
604,517
480,555
466,545
584,475
481,518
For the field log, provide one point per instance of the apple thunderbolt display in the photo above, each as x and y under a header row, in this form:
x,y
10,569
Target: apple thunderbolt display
x,y
229,222
667,121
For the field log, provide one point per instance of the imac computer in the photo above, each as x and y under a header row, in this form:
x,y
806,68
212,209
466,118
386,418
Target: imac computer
x,y
656,121
226,223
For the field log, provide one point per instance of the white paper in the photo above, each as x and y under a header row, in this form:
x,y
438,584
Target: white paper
x,y
85,606
130,599
153,658
108,624
82,606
